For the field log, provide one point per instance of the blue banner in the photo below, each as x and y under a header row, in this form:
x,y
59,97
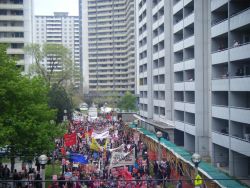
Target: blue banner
x,y
78,158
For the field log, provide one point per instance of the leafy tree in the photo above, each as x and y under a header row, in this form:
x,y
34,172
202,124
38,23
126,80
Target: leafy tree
x,y
58,56
60,100
24,114
61,87
111,98
127,102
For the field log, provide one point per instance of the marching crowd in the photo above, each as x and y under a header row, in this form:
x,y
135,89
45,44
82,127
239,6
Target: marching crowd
x,y
95,168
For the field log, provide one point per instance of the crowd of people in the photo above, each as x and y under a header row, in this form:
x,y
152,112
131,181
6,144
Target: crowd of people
x,y
96,169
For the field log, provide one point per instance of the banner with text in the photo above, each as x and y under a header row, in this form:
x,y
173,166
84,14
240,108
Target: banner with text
x,y
70,139
122,159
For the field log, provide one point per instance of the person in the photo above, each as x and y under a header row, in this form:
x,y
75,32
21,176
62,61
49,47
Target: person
x,y
236,43
6,172
61,182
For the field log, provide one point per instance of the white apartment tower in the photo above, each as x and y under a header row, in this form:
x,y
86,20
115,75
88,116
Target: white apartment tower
x,y
194,67
60,29
108,45
16,28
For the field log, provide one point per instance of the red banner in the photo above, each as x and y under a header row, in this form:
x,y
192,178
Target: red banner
x,y
70,139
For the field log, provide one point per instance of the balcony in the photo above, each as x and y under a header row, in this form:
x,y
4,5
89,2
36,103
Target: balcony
x,y
187,2
219,28
220,85
240,145
157,7
178,26
179,106
240,114
15,51
155,40
240,52
155,56
179,86
240,19
11,40
190,107
11,6
220,112
189,64
189,128
189,19
178,6
157,86
178,66
179,125
220,56
11,18
189,86
220,139
240,84
161,36
189,42
215,4
161,53
11,29
178,46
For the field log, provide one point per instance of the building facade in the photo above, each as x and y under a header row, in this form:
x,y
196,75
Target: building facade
x,y
193,74
60,29
16,31
108,45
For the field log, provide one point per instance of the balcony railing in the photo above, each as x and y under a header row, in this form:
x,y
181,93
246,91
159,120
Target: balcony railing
x,y
237,13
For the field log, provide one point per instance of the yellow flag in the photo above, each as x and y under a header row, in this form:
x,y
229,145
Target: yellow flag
x,y
94,145
106,143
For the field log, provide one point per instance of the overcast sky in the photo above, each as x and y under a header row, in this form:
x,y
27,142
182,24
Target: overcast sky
x,y
48,7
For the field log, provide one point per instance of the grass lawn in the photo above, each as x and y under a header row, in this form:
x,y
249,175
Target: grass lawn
x,y
49,171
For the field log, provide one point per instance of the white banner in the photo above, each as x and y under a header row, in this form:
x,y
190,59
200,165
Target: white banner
x,y
100,135
120,148
122,159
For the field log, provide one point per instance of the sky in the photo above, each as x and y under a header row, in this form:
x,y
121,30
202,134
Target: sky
x,y
48,7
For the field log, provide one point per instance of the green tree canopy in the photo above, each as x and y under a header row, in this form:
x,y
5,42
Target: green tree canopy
x,y
58,58
60,82
59,99
127,102
25,117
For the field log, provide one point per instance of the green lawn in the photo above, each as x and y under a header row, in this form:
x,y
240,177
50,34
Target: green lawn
x,y
49,171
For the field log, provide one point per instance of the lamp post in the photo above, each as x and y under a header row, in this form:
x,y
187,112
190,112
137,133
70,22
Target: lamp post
x,y
43,159
159,135
196,159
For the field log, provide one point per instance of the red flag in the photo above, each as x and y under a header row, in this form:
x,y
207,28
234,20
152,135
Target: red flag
x,y
70,139
126,174
63,151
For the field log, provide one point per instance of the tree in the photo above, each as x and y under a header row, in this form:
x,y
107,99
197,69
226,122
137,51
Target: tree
x,y
25,117
60,100
127,102
61,87
111,98
58,58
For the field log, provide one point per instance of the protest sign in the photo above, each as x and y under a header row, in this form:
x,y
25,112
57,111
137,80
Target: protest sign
x,y
70,139
122,159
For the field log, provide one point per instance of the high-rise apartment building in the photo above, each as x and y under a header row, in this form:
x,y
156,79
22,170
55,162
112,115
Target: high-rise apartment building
x,y
108,45
16,28
193,64
60,29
